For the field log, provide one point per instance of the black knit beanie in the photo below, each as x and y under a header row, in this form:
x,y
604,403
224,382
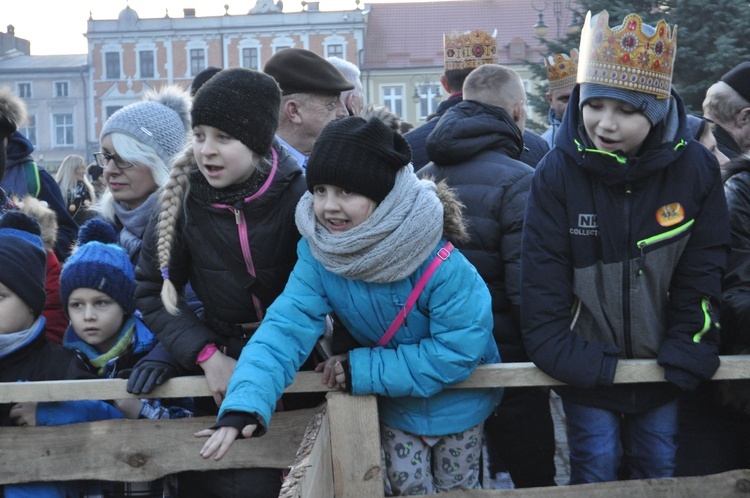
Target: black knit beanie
x,y
243,103
357,155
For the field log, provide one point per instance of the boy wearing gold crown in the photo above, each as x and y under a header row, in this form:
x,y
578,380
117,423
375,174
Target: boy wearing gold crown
x,y
561,76
624,246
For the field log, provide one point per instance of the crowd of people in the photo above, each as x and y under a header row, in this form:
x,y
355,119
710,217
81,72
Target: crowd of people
x,y
269,221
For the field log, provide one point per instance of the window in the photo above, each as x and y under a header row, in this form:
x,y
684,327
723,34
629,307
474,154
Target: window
x,y
112,65
61,88
336,51
429,97
250,58
63,129
146,63
29,131
393,99
197,61
280,47
24,90
111,109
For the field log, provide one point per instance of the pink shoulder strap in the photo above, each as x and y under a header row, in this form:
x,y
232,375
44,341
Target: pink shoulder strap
x,y
441,256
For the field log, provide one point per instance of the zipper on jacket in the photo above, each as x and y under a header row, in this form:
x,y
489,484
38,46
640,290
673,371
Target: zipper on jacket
x,y
626,277
708,319
644,243
617,157
239,218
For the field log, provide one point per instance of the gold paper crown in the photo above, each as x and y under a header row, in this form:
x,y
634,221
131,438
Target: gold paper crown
x,y
626,57
469,50
561,69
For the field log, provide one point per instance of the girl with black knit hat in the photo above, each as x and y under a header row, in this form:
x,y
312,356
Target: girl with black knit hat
x,y
226,224
373,236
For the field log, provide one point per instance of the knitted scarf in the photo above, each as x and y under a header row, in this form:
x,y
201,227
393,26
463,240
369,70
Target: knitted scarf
x,y
10,343
134,223
391,244
201,190
98,360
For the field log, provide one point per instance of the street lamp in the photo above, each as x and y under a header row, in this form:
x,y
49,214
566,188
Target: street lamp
x,y
540,28
558,7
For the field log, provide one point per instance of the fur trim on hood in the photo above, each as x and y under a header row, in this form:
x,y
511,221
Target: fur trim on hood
x,y
45,216
454,225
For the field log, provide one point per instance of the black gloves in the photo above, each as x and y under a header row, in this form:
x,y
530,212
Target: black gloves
x,y
148,374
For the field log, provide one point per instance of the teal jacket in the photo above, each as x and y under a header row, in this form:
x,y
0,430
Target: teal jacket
x,y
445,337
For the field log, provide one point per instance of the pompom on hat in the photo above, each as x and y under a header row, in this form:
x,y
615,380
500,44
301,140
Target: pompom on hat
x,y
12,112
243,103
357,155
161,121
23,260
100,264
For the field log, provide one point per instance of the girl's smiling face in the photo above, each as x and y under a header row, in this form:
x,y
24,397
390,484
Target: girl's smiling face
x,y
340,210
222,159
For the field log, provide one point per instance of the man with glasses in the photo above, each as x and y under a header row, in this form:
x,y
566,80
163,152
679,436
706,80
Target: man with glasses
x,y
311,97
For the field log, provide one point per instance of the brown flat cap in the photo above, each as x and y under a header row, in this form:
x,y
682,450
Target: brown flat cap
x,y
739,79
297,70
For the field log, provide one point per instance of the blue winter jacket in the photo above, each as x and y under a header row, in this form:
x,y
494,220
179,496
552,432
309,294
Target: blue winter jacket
x,y
447,334
623,258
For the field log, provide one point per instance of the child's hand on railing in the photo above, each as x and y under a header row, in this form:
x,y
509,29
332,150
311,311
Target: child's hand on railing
x,y
23,414
221,440
333,371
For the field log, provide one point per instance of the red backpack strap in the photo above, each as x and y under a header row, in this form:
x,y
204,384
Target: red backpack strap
x,y
442,254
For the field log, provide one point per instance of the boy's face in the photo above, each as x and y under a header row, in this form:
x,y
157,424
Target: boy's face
x,y
558,100
16,315
95,317
614,126
340,210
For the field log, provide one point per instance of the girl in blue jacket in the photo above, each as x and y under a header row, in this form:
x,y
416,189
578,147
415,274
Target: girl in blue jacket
x,y
370,229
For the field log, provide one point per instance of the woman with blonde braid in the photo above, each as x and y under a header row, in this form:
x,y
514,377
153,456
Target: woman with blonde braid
x,y
226,225
76,188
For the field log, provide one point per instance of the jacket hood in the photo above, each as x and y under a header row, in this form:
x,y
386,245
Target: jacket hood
x,y
18,149
664,144
454,225
469,128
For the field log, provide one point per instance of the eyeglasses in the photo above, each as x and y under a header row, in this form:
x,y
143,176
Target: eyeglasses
x,y
103,158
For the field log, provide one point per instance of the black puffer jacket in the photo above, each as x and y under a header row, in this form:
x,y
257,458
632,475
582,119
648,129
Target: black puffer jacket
x,y
534,146
475,148
235,277
735,313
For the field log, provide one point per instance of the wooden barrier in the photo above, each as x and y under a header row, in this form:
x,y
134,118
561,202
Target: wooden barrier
x,y
332,451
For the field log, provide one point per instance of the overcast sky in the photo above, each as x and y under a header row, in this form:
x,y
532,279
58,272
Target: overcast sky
x,y
57,26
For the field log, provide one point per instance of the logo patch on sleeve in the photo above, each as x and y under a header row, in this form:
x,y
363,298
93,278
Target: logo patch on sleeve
x,y
670,214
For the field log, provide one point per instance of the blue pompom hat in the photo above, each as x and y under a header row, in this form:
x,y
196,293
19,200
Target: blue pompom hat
x,y
99,264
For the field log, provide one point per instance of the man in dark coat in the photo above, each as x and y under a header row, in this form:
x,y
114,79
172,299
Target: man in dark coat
x,y
475,147
727,104
460,60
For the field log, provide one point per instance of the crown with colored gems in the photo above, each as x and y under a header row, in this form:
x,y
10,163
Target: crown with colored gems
x,y
469,50
625,56
561,69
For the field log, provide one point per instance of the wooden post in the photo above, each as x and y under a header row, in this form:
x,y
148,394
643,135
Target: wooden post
x,y
355,446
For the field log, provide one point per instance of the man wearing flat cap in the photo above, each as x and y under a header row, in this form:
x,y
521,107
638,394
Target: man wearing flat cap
x,y
311,97
727,104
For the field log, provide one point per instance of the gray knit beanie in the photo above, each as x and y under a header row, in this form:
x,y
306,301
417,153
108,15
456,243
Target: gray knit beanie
x,y
161,121
654,109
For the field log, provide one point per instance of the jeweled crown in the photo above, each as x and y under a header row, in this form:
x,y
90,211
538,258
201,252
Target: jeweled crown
x,y
562,69
469,50
627,57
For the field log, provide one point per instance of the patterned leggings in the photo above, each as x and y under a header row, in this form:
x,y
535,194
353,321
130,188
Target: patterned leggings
x,y
416,465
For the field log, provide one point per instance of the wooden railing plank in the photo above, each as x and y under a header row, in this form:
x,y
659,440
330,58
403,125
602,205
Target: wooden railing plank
x,y
137,450
503,374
